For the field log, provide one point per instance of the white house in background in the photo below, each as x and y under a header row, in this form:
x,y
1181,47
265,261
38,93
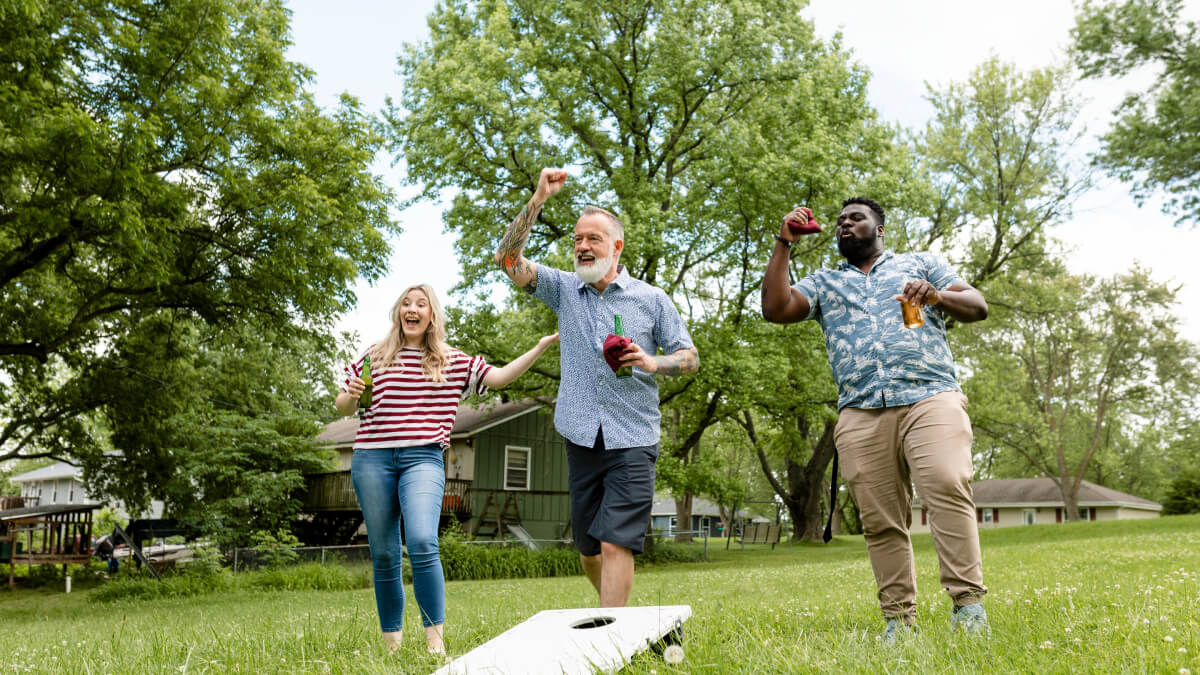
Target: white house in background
x,y
1034,501
62,483
705,516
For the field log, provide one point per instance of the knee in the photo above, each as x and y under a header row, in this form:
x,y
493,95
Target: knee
x,y
387,559
422,546
610,550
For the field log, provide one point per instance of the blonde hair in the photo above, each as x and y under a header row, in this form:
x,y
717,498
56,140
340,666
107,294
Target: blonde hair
x,y
436,354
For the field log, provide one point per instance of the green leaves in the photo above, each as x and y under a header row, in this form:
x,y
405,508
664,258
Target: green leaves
x,y
163,172
1155,139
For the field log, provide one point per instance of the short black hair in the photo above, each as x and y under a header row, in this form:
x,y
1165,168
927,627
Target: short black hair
x,y
867,201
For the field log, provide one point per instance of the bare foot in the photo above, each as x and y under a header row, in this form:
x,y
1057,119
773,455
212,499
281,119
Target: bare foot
x,y
392,640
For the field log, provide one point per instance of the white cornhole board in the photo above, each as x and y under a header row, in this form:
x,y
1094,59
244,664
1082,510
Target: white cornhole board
x,y
549,643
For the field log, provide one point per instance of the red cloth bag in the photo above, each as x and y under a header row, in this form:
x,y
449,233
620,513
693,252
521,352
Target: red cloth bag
x,y
614,348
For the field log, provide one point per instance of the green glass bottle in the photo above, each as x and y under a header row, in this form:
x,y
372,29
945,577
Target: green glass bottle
x,y
619,330
364,399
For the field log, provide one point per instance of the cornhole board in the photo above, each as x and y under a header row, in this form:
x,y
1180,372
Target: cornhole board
x,y
571,641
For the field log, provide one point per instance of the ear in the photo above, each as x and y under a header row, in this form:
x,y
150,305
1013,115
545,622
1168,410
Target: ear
x,y
618,246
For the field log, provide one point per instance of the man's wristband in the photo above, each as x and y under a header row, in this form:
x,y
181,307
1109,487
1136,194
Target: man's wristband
x,y
783,241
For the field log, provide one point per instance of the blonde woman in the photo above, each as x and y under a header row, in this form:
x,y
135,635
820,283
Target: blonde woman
x,y
397,466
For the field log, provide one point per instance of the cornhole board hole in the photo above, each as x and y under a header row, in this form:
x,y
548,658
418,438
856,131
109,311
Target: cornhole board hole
x,y
572,641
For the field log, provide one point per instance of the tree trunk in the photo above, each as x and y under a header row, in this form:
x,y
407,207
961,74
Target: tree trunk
x,y
683,519
806,487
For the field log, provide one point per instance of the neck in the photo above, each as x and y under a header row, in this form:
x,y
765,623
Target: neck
x,y
608,278
867,261
415,343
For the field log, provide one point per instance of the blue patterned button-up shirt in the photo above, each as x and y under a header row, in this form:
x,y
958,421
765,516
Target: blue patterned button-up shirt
x,y
876,361
590,396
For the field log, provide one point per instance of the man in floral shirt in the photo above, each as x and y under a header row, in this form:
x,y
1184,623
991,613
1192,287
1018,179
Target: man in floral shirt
x,y
901,415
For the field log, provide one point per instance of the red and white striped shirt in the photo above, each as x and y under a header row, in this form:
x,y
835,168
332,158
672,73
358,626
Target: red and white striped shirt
x,y
407,409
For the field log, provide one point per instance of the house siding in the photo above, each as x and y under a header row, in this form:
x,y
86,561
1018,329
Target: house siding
x,y
543,516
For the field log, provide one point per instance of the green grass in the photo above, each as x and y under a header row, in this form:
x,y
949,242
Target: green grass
x,y
1097,597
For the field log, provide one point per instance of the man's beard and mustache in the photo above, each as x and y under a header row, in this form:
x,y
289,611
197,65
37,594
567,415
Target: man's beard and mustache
x,y
594,272
856,249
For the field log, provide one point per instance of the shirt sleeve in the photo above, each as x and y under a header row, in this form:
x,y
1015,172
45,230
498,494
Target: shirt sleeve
x,y
939,273
476,370
549,286
808,288
670,333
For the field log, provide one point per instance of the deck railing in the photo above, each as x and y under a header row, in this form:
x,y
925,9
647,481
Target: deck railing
x,y
333,491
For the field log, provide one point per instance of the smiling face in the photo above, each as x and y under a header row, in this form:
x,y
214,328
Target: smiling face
x,y
414,317
595,249
859,233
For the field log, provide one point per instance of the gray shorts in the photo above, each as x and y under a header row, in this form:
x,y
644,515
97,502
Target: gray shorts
x,y
612,493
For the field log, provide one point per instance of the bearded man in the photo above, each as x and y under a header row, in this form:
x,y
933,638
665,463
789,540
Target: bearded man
x,y
902,418
610,423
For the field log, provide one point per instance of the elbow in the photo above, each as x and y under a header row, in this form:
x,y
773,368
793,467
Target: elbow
x,y
498,259
769,312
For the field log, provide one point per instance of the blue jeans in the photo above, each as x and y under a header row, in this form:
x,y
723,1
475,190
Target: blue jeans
x,y
409,481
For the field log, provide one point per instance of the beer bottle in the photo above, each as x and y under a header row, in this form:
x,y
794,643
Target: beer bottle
x,y
619,331
364,399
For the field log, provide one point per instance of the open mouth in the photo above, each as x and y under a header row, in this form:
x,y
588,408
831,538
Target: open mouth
x,y
585,258
411,322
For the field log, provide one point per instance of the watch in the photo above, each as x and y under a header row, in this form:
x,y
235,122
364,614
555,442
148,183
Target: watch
x,y
783,241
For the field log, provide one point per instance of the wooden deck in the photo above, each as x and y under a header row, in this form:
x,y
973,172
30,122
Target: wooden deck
x,y
333,491
46,535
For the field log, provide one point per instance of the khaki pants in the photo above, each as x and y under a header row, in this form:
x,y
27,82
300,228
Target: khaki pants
x,y
883,453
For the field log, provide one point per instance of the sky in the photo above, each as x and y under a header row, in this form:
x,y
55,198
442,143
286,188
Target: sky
x,y
352,46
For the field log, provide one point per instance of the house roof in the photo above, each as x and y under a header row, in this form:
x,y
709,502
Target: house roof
x,y
664,505
56,470
1043,492
470,421
49,509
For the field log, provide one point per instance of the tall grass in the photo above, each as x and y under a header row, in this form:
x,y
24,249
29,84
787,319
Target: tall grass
x,y
1098,597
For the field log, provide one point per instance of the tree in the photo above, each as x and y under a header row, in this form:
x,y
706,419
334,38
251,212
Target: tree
x,y
1184,496
1155,139
1078,359
223,437
699,123
163,171
995,152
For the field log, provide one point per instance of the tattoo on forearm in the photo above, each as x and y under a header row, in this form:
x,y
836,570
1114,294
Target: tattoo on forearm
x,y
513,243
678,363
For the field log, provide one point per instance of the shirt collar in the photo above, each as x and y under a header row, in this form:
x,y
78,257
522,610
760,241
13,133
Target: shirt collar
x,y
845,265
621,281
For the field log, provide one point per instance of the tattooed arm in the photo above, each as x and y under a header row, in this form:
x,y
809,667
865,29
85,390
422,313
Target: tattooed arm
x,y
681,362
510,255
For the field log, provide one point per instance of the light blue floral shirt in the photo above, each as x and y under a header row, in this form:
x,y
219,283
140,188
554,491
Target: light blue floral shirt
x,y
590,396
876,361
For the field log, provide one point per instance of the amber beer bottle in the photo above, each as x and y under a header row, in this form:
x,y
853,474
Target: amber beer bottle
x,y
619,331
364,399
911,313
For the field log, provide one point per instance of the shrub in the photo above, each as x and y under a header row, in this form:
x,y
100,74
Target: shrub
x,y
310,577
276,550
1184,495
669,552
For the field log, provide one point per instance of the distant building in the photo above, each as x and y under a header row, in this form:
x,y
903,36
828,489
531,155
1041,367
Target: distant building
x,y
1036,501
62,484
706,516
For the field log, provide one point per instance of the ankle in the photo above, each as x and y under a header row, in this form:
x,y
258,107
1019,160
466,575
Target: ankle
x,y
393,640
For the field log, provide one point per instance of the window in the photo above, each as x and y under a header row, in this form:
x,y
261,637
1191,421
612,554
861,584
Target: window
x,y
1029,516
989,516
71,492
516,468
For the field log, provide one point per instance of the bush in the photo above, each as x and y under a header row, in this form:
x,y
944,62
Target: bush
x,y
664,552
462,561
141,585
276,550
310,577
1184,495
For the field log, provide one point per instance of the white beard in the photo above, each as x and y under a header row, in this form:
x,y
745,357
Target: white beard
x,y
594,272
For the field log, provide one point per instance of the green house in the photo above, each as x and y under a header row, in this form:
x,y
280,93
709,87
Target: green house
x,y
506,477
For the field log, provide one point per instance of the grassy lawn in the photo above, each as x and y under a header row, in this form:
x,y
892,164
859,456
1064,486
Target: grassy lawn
x,y
1120,597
